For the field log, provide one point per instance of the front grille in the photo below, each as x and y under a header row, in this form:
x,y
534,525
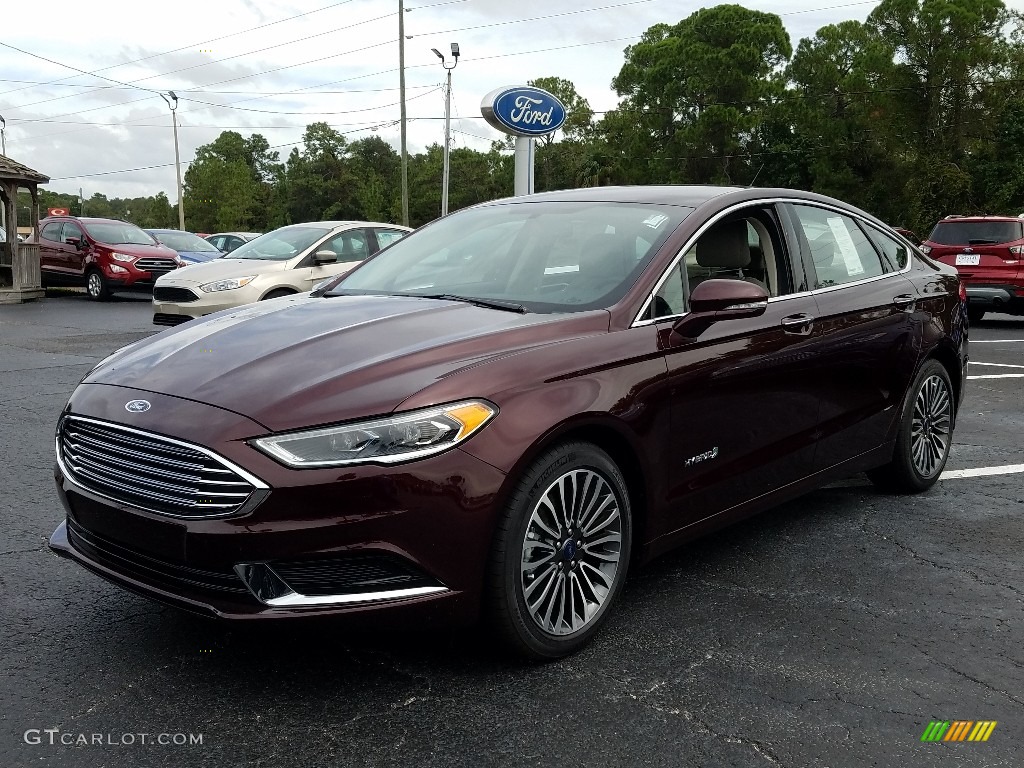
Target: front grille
x,y
149,471
129,562
171,293
351,574
159,318
156,267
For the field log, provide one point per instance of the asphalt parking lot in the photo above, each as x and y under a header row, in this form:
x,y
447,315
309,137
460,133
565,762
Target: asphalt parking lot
x,y
828,632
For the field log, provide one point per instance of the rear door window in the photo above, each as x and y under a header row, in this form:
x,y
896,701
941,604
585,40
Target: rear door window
x,y
840,250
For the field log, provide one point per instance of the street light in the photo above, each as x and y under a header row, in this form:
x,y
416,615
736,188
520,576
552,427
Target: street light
x,y
177,158
447,123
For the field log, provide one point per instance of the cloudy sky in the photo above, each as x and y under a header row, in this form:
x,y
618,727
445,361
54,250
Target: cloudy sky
x,y
273,66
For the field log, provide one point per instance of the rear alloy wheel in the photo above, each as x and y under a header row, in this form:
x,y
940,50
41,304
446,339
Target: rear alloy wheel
x,y
975,314
561,552
96,286
925,436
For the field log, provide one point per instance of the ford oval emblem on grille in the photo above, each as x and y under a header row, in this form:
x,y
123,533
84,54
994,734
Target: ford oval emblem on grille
x,y
137,406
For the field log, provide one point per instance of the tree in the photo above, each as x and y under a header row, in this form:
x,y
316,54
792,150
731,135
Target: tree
x,y
694,92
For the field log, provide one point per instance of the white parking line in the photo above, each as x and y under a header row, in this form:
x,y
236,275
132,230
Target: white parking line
x,y
1007,469
997,365
999,376
997,341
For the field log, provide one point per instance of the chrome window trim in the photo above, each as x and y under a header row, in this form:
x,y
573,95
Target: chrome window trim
x,y
637,322
260,488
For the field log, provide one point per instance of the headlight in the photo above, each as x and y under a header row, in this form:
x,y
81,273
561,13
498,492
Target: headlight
x,y
403,437
180,261
125,257
116,269
925,249
228,285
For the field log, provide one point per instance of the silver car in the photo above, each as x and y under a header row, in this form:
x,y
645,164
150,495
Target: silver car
x,y
288,260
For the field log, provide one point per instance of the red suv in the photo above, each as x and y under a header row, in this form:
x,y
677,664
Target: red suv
x,y
988,252
104,255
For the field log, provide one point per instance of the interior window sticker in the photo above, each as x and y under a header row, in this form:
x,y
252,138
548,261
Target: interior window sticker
x,y
846,247
655,220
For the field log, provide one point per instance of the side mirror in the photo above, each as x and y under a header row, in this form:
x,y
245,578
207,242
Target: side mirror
x,y
325,257
77,242
718,299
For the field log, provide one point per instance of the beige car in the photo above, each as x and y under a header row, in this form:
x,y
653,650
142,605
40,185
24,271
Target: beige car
x,y
291,259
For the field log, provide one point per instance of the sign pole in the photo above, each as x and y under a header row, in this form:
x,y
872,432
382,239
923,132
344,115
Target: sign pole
x,y
524,165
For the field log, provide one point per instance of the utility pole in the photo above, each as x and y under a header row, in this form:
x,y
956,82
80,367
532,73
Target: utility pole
x,y
177,157
401,98
3,137
446,173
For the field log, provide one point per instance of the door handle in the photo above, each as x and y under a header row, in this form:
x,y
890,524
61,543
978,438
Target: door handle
x,y
905,302
799,325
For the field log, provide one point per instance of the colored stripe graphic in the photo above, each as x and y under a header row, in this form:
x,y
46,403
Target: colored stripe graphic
x,y
935,730
959,730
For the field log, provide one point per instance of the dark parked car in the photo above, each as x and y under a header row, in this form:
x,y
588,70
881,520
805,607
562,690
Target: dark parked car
x,y
104,255
588,379
191,248
988,252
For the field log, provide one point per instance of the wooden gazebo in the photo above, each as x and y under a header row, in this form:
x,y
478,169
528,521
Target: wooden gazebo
x,y
20,279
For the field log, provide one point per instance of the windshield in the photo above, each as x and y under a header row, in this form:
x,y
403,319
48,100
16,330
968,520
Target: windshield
x,y
544,256
976,232
279,245
185,241
115,232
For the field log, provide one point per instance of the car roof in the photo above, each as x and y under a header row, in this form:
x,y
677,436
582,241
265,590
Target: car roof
x,y
663,194
86,220
325,225
984,217
237,234
168,231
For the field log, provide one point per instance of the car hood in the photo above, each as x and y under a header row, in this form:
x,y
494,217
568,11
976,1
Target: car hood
x,y
301,361
141,251
199,257
220,269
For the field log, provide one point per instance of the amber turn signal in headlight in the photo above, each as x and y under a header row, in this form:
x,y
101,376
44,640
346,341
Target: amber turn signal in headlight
x,y
402,437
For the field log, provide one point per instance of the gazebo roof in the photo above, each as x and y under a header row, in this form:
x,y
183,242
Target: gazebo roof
x,y
11,170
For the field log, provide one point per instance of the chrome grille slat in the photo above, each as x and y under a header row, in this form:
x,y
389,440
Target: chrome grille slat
x,y
118,476
151,264
119,439
149,471
81,450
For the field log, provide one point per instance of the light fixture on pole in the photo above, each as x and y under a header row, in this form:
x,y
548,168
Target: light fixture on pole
x,y
177,158
447,123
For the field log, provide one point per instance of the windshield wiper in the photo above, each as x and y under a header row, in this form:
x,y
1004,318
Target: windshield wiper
x,y
507,306
981,241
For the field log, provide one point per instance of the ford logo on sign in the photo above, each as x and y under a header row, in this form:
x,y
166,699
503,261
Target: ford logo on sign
x,y
137,406
523,111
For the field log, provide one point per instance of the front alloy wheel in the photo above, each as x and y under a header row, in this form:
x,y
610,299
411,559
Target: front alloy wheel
x,y
96,286
561,552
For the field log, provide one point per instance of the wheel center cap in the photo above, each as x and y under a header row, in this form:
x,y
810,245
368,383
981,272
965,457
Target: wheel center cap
x,y
569,549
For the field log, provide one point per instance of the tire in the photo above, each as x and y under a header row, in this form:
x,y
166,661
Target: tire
x,y
96,286
578,577
277,294
925,434
975,314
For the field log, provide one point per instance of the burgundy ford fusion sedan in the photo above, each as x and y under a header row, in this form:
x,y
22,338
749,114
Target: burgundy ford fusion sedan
x,y
501,413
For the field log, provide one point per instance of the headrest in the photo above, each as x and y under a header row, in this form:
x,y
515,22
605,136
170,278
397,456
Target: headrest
x,y
725,246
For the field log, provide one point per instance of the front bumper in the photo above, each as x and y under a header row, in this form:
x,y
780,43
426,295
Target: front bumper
x,y
431,522
175,312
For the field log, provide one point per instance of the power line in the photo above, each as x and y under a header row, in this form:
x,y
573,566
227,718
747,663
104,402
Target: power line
x,y
187,47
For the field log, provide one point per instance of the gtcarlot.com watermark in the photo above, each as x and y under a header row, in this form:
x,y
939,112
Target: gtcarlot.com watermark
x,y
56,737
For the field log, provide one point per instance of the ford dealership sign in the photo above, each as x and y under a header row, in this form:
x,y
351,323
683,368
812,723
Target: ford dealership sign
x,y
523,111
